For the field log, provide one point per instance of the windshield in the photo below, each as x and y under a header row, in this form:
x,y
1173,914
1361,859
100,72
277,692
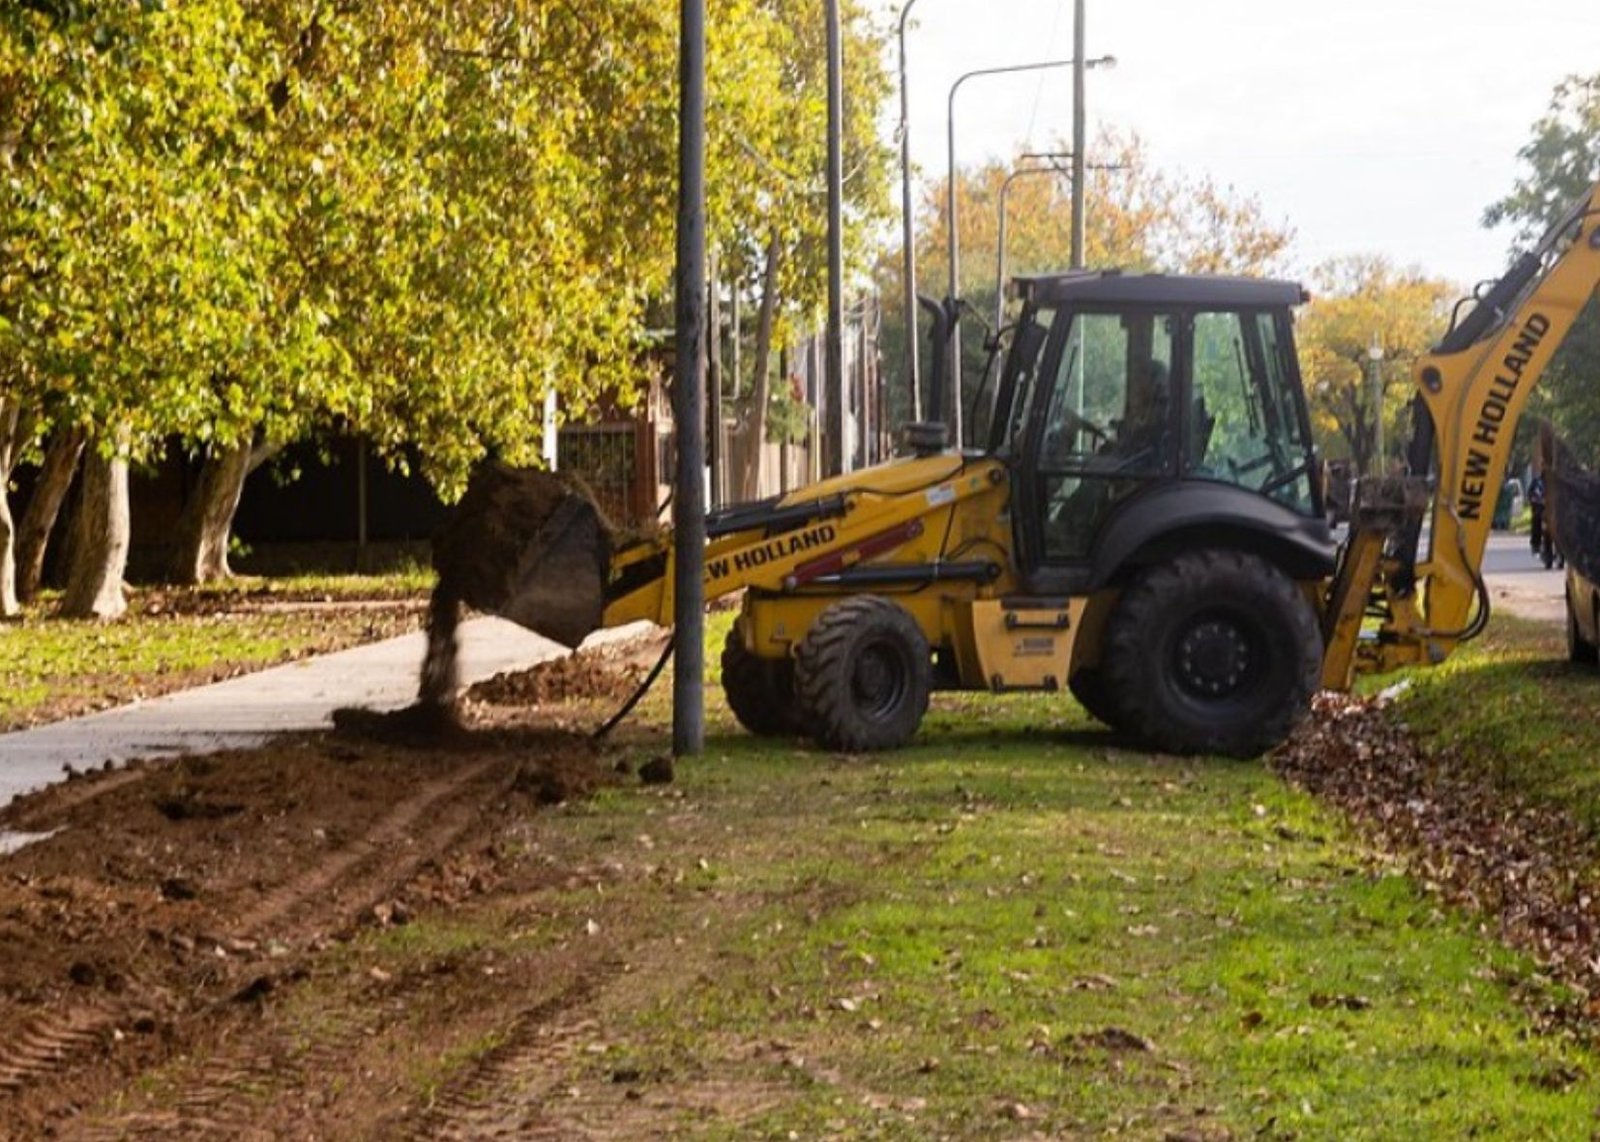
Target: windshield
x,y
1247,427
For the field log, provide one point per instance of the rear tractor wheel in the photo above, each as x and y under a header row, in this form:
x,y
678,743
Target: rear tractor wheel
x,y
863,673
1214,652
760,691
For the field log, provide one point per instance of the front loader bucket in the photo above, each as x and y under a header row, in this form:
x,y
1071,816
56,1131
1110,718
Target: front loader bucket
x,y
529,546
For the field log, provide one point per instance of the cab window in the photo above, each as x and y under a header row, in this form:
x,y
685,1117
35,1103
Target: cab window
x,y
1245,420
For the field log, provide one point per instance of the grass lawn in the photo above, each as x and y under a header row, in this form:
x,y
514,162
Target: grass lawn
x,y
53,668
1016,930
1512,706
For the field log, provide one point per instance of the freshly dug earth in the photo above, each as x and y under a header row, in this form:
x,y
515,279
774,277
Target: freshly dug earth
x,y
1528,868
163,937
606,673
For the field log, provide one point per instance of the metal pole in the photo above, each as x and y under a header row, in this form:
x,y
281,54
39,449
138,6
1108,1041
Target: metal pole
x,y
1053,158
688,393
1375,355
835,346
953,223
908,238
714,379
953,366
1080,147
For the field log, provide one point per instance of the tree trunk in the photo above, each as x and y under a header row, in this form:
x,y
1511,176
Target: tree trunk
x,y
752,432
100,539
207,521
33,537
10,443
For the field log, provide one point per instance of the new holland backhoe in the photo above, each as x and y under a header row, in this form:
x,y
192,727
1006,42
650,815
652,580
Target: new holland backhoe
x,y
1143,526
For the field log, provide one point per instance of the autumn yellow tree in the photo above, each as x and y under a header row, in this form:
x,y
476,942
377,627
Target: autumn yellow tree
x,y
1138,217
1362,302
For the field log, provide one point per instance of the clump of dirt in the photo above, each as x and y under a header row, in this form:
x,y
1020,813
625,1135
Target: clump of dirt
x,y
1526,866
529,546
589,675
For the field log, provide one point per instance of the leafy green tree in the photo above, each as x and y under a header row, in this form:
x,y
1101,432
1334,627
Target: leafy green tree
x,y
1561,162
240,222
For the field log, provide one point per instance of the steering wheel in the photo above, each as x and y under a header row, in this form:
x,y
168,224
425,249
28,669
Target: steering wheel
x,y
1248,466
1071,423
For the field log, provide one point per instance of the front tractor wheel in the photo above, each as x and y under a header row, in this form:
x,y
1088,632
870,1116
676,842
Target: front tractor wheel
x,y
1214,652
863,673
760,691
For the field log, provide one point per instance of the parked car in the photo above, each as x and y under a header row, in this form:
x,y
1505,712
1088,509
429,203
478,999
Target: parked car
x,y
1583,619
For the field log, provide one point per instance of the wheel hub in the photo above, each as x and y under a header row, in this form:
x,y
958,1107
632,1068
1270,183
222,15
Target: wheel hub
x,y
877,680
1214,658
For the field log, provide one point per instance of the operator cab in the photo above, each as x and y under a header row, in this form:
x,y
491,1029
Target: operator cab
x,y
1136,407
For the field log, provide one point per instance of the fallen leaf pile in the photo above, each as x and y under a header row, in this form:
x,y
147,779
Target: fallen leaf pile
x,y
1528,870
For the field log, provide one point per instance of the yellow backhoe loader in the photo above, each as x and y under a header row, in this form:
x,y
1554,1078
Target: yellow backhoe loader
x,y
1144,526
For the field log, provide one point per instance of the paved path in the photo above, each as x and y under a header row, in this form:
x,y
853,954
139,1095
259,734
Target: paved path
x,y
1519,583
248,710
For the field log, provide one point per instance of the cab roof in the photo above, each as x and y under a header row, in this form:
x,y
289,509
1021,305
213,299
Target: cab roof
x,y
1113,287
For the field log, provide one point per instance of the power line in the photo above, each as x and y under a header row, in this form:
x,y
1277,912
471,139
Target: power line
x,y
1038,92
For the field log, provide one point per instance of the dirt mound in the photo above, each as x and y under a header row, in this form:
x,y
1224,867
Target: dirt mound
x,y
1525,866
610,673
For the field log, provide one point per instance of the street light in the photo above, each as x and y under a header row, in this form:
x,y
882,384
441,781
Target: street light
x,y
907,238
1375,355
1053,159
950,205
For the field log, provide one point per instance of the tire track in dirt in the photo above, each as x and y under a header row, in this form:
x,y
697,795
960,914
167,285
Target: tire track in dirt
x,y
50,1040
522,1087
387,854
331,894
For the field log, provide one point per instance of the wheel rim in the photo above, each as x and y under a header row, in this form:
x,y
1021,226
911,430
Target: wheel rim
x,y
879,680
1217,657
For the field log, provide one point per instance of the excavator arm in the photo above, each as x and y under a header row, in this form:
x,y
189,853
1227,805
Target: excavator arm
x,y
1388,605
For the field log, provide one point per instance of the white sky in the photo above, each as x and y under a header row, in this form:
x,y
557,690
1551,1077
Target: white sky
x,y
1369,126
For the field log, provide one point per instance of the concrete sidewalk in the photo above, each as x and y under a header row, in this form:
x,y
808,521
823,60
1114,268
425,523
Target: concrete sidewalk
x,y
248,710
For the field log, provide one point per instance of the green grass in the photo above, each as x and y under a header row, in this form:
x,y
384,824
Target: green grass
x,y
972,938
1512,705
52,667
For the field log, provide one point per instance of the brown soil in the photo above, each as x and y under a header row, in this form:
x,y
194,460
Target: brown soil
x,y
608,673
220,947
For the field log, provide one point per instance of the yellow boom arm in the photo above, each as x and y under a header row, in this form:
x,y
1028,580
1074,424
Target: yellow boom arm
x,y
1475,386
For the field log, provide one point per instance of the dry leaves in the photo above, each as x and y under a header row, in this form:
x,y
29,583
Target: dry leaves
x,y
1476,845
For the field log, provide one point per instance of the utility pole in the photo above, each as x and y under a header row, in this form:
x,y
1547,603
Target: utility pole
x,y
1080,148
908,238
688,391
835,348
714,379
